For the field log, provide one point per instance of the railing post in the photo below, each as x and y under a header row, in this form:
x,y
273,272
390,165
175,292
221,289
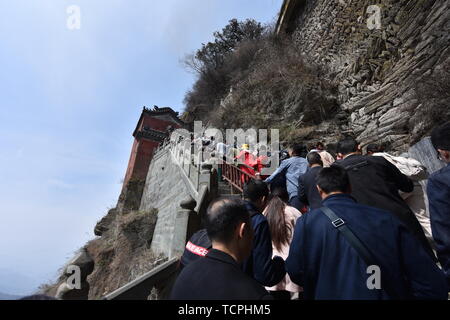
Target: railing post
x,y
199,165
188,162
204,178
182,218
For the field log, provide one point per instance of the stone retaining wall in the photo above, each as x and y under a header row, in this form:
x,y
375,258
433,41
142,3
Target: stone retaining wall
x,y
164,190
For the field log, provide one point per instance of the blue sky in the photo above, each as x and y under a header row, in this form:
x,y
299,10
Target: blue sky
x,y
69,100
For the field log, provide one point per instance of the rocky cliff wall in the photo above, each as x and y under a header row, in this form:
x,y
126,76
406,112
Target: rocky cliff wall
x,y
392,76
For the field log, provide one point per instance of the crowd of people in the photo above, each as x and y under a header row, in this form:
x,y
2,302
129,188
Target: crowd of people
x,y
358,227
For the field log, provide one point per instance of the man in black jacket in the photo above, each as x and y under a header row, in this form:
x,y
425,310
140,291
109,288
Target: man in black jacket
x,y
376,182
260,265
307,186
438,190
218,275
197,247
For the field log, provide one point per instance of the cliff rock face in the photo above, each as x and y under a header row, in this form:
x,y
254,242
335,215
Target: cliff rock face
x,y
393,79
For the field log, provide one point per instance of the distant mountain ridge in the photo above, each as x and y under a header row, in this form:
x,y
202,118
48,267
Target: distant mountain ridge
x,y
5,296
17,283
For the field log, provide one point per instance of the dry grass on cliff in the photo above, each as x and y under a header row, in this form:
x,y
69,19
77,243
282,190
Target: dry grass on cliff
x,y
272,86
279,90
123,253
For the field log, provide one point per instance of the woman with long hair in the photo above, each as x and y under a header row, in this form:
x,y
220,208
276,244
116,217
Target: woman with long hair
x,y
282,218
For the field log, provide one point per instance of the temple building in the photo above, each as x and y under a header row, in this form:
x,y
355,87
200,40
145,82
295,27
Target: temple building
x,y
153,127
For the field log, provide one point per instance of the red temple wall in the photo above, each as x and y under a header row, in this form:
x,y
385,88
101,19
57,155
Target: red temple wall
x,y
143,149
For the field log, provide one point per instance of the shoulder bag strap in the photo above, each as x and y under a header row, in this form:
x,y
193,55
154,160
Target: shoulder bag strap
x,y
360,248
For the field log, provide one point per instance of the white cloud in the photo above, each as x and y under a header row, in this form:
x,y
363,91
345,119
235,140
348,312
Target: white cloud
x,y
60,184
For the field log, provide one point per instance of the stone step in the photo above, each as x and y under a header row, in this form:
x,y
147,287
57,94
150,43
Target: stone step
x,y
225,189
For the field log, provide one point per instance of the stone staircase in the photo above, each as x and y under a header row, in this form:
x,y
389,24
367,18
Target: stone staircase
x,y
224,190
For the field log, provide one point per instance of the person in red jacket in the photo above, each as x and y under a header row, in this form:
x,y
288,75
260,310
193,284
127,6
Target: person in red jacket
x,y
246,162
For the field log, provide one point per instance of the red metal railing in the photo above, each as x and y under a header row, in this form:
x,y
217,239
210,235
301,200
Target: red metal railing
x,y
236,177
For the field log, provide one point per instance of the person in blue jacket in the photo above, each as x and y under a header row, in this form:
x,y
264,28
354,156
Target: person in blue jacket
x,y
328,267
438,191
260,265
290,171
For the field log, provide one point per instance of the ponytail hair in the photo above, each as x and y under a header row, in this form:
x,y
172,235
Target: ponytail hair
x,y
280,229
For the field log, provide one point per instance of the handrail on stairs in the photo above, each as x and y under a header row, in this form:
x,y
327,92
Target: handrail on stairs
x,y
140,288
235,176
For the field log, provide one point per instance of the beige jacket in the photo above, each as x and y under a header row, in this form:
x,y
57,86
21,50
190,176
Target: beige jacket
x,y
327,158
416,199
